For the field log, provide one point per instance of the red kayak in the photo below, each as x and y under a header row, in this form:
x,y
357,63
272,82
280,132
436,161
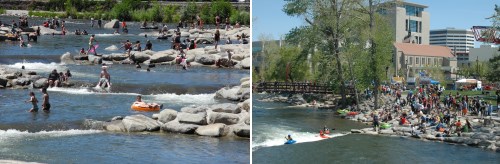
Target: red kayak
x,y
324,136
352,113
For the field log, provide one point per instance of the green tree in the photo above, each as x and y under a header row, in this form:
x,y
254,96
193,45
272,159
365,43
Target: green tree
x,y
328,22
493,69
190,12
222,8
122,10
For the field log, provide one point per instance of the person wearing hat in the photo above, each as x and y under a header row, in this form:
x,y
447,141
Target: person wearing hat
x,y
105,78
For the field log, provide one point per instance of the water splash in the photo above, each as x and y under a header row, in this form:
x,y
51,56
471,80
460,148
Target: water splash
x,y
10,135
197,99
111,48
275,136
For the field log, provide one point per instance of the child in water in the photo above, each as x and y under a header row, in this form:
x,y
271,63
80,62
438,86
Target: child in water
x,y
34,102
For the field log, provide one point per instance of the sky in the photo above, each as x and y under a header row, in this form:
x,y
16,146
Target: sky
x,y
270,21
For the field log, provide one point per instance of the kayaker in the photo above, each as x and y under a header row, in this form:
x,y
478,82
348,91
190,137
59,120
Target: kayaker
x,y
289,138
326,130
321,133
139,102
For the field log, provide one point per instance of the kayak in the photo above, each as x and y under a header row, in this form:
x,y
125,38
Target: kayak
x,y
352,113
143,108
290,142
342,111
324,136
385,126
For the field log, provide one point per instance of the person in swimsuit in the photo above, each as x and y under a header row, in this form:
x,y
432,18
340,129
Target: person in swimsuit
x,y
216,38
91,44
139,102
34,102
105,78
45,102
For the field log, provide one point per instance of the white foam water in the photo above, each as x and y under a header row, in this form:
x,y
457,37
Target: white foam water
x,y
197,99
275,136
111,48
106,35
11,135
84,91
39,67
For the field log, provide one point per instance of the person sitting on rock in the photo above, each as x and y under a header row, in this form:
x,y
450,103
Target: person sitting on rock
x,y
140,103
149,45
137,46
53,79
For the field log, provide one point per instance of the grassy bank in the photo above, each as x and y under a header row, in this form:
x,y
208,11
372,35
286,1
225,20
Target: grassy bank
x,y
2,11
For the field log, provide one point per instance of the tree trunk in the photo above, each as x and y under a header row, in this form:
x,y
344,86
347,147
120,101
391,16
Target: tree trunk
x,y
373,57
354,85
336,47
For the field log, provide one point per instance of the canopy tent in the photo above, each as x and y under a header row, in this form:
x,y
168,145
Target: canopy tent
x,y
472,81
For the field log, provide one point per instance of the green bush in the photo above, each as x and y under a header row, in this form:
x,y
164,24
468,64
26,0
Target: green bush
x,y
190,12
221,8
240,16
2,11
205,14
122,11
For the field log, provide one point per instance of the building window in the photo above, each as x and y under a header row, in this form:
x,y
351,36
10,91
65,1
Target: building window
x,y
413,25
417,60
422,61
413,10
406,27
420,26
429,61
411,61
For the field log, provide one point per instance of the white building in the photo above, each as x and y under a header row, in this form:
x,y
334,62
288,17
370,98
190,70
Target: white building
x,y
460,41
483,53
410,21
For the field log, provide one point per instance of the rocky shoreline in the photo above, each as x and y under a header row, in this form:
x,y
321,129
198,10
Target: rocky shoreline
x,y
485,133
218,120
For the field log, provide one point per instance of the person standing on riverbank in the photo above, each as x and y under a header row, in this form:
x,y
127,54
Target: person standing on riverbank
x,y
99,23
45,102
375,121
217,22
34,102
216,38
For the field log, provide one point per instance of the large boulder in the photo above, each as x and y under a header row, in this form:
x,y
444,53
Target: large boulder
x,y
3,81
228,93
194,110
189,118
167,115
225,118
93,124
118,57
226,107
139,123
206,59
245,63
245,105
139,57
22,81
115,126
95,59
241,130
176,127
162,57
40,83
213,130
112,24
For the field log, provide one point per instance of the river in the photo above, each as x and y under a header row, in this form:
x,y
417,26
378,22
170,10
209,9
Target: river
x,y
273,121
60,137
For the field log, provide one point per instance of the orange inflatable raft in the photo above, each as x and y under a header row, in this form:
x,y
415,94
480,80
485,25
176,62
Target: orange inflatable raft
x,y
139,107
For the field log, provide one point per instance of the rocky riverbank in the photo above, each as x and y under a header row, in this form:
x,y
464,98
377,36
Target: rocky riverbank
x,y
218,120
485,131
